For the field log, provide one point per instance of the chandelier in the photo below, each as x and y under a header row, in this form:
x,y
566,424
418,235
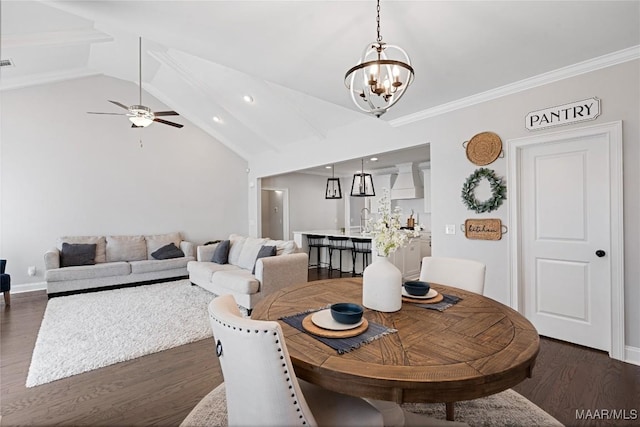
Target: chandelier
x,y
381,76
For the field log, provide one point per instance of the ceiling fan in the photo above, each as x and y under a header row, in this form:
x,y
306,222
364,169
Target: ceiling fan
x,y
140,115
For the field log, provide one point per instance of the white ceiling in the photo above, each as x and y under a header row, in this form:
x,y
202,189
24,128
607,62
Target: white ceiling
x,y
379,164
201,57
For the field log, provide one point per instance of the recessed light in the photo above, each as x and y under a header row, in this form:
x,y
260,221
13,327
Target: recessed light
x,y
327,167
374,159
248,98
217,119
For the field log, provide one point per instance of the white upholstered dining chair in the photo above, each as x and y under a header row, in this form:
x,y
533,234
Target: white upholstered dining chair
x,y
461,273
261,385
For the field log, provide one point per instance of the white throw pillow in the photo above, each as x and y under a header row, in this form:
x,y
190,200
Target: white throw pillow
x,y
126,248
283,247
237,242
249,252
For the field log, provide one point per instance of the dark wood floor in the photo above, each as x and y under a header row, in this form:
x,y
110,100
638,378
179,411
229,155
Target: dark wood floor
x,y
161,389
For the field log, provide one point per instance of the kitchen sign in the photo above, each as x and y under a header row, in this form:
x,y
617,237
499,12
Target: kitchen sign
x,y
579,111
483,229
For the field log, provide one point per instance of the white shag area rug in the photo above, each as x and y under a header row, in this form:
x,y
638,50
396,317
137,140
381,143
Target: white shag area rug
x,y
507,408
83,332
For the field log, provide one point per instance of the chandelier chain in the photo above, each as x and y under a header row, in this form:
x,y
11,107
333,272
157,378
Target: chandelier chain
x,y
378,21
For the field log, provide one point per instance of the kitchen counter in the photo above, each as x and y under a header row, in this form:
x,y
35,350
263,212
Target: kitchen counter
x,y
334,233
300,237
407,259
297,235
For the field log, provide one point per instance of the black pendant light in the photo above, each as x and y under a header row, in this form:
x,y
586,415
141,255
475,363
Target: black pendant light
x,y
362,184
333,190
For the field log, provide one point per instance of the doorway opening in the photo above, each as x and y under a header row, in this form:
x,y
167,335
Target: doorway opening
x,y
274,217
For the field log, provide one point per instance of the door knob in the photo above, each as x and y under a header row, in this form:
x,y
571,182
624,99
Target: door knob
x,y
600,253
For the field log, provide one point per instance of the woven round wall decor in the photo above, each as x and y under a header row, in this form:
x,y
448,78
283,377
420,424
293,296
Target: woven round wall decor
x,y
484,148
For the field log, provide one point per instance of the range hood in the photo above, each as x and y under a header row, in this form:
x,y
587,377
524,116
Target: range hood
x,y
408,184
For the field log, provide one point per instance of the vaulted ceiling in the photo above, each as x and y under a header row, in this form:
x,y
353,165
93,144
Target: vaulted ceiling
x,y
201,57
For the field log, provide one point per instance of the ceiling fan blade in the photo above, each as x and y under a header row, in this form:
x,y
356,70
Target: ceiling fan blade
x,y
119,104
110,114
165,113
166,122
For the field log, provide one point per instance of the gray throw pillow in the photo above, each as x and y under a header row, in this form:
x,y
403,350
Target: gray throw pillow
x,y
264,252
74,254
168,251
221,254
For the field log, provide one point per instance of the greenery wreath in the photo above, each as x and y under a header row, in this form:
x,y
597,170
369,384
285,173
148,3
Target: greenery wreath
x,y
498,191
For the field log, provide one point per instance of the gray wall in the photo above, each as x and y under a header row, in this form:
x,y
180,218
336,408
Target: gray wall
x,y
65,172
617,86
308,208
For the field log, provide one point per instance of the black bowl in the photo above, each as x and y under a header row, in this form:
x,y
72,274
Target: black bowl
x,y
346,312
417,287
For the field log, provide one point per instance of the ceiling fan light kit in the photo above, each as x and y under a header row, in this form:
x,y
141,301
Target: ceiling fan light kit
x,y
140,115
381,76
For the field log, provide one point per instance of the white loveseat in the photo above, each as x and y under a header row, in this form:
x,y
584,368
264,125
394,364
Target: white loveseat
x,y
119,261
248,278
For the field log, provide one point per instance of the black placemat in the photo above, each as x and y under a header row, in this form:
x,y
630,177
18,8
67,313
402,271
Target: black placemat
x,y
447,301
341,345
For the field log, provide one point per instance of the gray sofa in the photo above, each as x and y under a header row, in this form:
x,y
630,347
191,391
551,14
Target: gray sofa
x,y
119,261
237,277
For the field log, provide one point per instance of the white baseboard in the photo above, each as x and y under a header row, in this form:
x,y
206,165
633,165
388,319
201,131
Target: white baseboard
x,y
28,287
632,355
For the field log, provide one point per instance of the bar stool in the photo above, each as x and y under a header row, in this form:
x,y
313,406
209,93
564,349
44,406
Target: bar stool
x,y
316,241
337,243
360,246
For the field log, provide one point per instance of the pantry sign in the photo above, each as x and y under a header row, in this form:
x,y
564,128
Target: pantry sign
x,y
579,111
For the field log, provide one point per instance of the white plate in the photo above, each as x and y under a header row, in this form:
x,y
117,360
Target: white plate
x,y
431,294
324,320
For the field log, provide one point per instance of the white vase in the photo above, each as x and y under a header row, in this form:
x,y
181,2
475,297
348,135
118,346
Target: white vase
x,y
382,286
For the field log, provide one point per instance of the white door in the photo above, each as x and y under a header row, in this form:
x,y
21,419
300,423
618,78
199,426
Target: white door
x,y
565,195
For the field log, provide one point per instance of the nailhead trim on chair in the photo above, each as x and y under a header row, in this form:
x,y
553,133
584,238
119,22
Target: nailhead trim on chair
x,y
284,365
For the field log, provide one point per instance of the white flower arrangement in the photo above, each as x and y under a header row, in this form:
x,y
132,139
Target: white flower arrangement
x,y
388,236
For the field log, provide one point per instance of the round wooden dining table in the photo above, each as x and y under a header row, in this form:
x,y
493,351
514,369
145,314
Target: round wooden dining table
x,y
472,349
